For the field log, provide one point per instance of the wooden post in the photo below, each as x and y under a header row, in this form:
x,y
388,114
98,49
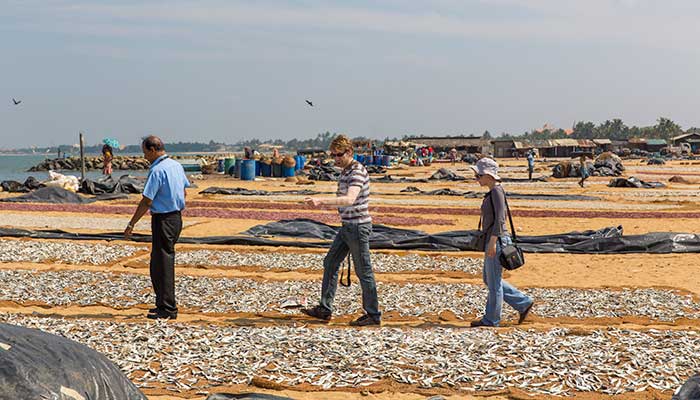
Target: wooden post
x,y
82,157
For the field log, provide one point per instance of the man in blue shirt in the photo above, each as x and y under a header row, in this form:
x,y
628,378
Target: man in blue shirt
x,y
530,164
164,195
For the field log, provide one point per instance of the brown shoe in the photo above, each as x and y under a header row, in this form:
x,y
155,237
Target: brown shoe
x,y
524,314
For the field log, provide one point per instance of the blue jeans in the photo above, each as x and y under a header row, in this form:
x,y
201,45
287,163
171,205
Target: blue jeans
x,y
353,239
500,290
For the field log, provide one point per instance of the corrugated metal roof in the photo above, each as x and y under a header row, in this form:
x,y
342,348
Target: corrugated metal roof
x,y
565,142
602,141
637,140
586,143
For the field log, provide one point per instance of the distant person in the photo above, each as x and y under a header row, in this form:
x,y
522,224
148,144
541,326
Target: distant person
x,y
584,170
352,201
453,155
530,164
107,156
493,218
164,194
248,153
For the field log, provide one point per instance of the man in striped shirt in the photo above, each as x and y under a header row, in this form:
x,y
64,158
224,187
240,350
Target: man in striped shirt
x,y
352,200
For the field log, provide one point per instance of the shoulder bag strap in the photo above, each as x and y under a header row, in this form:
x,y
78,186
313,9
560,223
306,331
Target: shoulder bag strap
x,y
492,208
510,218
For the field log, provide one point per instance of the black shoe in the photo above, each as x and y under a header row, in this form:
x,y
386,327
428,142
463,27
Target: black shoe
x,y
153,310
524,314
160,314
366,320
317,312
477,323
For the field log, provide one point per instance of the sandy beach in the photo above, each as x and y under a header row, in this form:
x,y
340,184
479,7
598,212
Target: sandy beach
x,y
622,325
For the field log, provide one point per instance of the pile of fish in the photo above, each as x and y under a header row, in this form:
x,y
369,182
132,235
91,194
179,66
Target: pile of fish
x,y
63,252
314,261
236,295
186,357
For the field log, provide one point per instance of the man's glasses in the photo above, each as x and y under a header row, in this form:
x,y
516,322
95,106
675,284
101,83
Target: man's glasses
x,y
478,176
336,155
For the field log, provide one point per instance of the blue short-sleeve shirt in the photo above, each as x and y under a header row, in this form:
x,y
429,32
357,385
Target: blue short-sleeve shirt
x,y
165,185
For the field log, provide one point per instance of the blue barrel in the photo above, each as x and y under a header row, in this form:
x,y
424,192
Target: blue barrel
x,y
236,168
386,161
287,171
361,158
266,169
220,165
248,170
258,171
302,162
354,157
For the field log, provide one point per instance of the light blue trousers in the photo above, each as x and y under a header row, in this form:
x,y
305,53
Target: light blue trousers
x,y
500,290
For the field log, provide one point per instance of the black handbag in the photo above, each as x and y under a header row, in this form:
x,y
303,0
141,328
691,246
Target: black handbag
x,y
512,256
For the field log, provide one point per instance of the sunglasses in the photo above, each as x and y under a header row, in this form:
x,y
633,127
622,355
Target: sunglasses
x,y
336,155
478,176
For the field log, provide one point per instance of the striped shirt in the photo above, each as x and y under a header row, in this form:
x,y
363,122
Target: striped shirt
x,y
355,175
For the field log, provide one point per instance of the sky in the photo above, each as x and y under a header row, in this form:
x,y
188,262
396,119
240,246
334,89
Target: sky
x,y
232,70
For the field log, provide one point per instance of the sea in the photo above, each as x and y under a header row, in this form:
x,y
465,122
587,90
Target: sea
x,y
14,167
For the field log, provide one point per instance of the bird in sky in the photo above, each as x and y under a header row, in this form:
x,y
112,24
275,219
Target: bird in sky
x,y
309,103
16,102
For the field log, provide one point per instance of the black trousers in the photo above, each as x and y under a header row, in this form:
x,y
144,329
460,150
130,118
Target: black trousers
x,y
165,231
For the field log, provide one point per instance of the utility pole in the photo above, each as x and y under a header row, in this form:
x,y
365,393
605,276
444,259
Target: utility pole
x,y
82,157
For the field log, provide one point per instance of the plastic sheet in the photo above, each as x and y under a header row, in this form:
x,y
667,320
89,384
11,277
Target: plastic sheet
x,y
246,396
633,182
608,240
690,390
39,365
55,195
475,195
125,184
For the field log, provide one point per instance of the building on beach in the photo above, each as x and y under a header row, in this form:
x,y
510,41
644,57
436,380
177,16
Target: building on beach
x,y
463,144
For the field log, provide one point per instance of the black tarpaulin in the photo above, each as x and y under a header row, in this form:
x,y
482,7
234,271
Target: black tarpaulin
x,y
50,195
125,184
246,396
29,184
633,182
39,365
690,390
474,195
301,232
446,174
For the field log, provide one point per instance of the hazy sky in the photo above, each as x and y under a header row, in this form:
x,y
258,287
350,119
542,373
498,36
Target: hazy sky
x,y
226,70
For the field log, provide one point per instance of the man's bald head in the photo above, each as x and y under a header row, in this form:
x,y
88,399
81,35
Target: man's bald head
x,y
153,143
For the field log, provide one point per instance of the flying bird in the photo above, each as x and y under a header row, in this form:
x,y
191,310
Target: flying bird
x,y
309,103
16,102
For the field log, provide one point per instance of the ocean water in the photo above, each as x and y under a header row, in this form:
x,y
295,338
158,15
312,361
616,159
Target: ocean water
x,y
14,167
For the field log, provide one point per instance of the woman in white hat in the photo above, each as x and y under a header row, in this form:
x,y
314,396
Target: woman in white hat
x,y
493,218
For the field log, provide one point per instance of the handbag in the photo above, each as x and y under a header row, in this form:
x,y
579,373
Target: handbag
x,y
512,256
